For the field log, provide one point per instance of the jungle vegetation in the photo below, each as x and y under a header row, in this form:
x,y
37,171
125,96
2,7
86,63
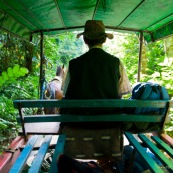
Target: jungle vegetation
x,y
20,63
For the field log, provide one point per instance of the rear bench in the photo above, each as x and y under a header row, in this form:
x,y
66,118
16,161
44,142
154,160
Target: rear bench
x,y
27,121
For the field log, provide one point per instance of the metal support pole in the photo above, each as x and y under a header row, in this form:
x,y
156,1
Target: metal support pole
x,y
140,55
41,80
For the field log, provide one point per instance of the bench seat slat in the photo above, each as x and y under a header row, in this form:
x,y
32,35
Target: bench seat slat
x,y
36,165
163,145
149,161
166,162
92,118
20,162
90,103
58,150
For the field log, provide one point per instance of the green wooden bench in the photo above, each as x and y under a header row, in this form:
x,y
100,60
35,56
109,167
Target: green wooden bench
x,y
37,119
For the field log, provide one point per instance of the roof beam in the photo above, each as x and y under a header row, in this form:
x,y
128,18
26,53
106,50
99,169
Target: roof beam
x,y
31,14
131,12
10,7
95,9
62,21
2,18
78,27
160,21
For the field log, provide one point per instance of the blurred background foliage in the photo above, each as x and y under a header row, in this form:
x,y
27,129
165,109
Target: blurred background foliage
x,y
20,64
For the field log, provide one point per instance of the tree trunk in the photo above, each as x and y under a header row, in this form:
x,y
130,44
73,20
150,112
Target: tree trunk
x,y
143,59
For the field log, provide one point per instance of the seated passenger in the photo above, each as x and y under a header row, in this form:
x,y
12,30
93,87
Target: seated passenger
x,y
96,74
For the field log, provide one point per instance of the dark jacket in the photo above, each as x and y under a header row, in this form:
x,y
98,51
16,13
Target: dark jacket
x,y
94,75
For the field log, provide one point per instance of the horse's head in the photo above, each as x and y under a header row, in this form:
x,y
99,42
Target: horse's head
x,y
60,71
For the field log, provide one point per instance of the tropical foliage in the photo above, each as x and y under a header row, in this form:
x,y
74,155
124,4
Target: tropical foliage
x,y
20,64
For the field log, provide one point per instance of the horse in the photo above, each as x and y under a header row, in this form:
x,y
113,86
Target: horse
x,y
53,89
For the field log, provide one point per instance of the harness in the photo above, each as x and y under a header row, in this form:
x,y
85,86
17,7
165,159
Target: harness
x,y
52,90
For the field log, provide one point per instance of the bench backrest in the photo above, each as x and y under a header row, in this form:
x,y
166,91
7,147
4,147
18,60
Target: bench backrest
x,y
117,117
116,103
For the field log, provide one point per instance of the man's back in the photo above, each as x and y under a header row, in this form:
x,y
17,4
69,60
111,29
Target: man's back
x,y
94,75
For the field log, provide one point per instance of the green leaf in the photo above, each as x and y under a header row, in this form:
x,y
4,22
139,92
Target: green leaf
x,y
16,68
23,71
5,76
10,72
3,126
16,71
1,79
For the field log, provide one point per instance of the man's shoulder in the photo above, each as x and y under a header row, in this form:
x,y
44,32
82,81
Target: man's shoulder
x,y
78,58
111,56
91,53
105,53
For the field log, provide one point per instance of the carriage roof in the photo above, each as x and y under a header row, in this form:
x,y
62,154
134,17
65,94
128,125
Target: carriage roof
x,y
26,18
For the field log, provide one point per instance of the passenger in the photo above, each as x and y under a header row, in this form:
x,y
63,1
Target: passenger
x,y
94,75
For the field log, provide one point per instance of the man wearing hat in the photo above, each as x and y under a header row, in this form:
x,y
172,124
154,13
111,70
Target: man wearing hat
x,y
96,74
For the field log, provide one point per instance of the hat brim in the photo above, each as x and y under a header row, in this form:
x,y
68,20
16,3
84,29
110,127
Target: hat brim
x,y
79,35
108,35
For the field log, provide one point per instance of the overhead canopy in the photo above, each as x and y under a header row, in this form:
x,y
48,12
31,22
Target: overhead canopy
x,y
25,18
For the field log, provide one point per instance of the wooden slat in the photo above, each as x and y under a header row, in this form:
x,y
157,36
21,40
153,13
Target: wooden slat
x,y
163,145
41,128
92,118
90,103
149,161
36,165
58,150
167,139
20,162
166,162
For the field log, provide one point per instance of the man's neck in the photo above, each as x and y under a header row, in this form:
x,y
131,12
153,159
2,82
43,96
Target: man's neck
x,y
96,46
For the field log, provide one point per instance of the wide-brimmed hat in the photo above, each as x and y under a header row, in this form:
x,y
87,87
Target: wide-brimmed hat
x,y
94,29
